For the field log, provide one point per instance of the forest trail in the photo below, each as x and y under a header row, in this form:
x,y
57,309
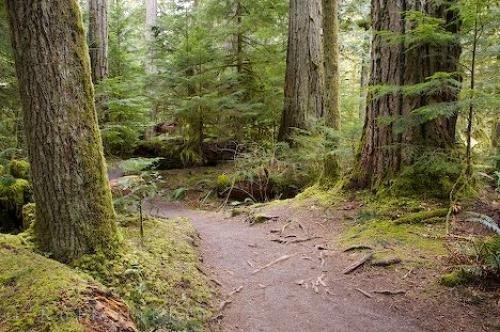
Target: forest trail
x,y
305,292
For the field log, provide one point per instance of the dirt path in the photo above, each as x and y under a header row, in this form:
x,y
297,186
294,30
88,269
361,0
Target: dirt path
x,y
272,299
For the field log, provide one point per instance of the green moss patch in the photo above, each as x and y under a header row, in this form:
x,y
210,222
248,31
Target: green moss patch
x,y
36,293
158,276
414,243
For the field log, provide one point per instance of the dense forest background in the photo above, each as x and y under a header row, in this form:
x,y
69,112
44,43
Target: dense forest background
x,y
214,72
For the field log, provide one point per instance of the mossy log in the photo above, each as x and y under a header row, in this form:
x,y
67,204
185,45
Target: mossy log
x,y
422,217
172,152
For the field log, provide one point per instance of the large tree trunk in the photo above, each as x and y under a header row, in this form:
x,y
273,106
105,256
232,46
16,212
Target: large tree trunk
x,y
385,151
304,81
332,59
74,208
98,39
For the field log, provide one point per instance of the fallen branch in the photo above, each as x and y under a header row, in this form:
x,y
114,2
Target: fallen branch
x,y
276,261
365,293
236,291
358,264
224,304
390,292
305,239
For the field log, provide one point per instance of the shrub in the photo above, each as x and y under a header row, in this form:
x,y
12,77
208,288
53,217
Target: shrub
x,y
20,169
119,140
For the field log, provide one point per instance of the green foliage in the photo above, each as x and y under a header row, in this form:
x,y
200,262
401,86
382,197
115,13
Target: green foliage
x,y
135,166
20,169
488,253
432,175
462,276
14,192
119,140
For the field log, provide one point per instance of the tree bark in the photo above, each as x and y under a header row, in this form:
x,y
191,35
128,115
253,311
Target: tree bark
x,y
332,59
74,208
151,19
98,39
384,151
304,80
496,143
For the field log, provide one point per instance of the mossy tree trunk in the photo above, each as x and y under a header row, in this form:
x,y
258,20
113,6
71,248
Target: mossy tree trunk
x,y
332,84
74,208
98,39
332,59
496,142
385,151
304,80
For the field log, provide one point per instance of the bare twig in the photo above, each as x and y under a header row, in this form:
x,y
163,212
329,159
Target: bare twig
x,y
390,292
365,293
276,261
236,291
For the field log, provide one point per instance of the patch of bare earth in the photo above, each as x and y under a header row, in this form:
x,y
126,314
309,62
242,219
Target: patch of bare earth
x,y
282,275
103,312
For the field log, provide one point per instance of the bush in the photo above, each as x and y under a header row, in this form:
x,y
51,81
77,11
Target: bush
x,y
20,169
119,140
14,193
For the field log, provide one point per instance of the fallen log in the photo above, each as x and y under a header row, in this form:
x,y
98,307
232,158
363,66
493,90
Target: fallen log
x,y
424,216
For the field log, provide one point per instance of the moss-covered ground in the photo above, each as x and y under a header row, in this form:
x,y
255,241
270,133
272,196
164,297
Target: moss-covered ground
x,y
37,293
157,276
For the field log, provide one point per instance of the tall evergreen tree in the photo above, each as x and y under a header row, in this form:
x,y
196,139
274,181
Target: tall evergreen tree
x,y
73,201
399,62
304,80
332,59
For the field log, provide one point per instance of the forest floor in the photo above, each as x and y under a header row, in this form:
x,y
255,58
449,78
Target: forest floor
x,y
286,274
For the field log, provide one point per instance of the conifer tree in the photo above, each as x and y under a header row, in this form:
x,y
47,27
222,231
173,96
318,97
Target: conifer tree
x,y
74,210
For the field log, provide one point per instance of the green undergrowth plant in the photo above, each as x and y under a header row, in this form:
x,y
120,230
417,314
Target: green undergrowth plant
x,y
15,191
475,263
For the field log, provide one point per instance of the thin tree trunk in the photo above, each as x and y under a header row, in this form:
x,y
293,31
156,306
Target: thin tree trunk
x,y
239,39
470,116
304,80
151,22
496,143
196,126
332,59
73,201
384,150
98,39
363,85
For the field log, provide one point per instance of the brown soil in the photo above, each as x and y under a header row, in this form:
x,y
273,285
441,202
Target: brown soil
x,y
305,289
